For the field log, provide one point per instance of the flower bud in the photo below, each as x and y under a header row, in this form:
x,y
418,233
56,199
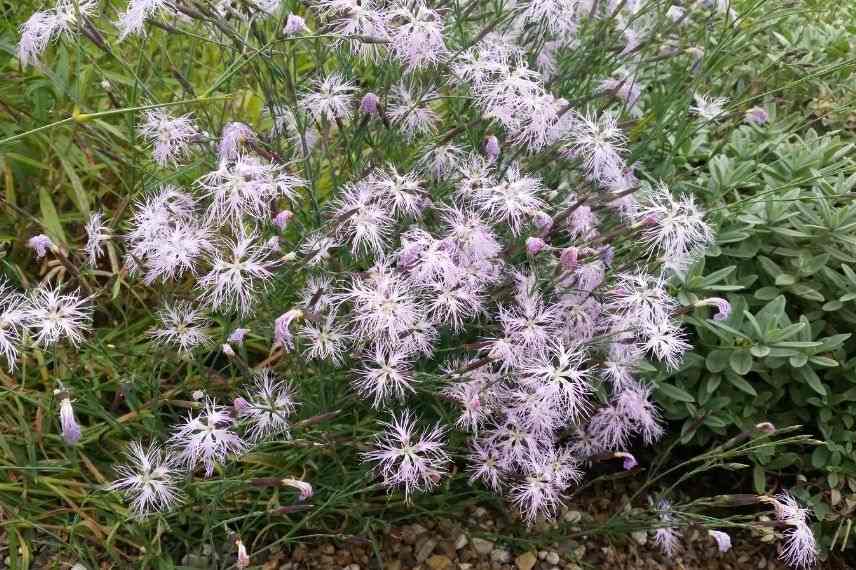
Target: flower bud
x,y
568,258
369,104
228,351
294,24
534,245
723,541
629,460
757,116
491,147
240,404
70,430
281,220
243,557
238,335
543,221
303,487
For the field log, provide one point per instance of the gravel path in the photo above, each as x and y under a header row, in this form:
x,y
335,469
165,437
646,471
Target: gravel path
x,y
445,545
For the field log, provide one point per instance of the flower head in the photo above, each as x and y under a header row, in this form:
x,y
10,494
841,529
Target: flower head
x,y
52,315
416,34
708,108
133,19
268,405
40,244
148,480
332,99
182,326
14,315
238,274
206,439
171,136
406,458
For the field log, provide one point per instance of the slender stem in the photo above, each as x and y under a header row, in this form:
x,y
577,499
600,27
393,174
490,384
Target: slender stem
x,y
78,117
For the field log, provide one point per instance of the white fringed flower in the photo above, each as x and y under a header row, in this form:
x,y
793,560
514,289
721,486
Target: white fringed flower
x,y
149,480
267,407
170,136
206,439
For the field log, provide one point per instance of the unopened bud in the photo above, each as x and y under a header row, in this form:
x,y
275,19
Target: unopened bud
x,y
491,147
70,430
766,427
757,116
568,258
238,335
281,219
369,104
243,557
534,245
303,487
228,351
543,221
294,24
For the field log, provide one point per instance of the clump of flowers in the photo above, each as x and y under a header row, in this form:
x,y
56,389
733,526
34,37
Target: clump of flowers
x,y
528,263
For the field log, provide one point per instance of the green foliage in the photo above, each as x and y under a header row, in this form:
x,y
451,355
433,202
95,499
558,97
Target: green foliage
x,y
786,261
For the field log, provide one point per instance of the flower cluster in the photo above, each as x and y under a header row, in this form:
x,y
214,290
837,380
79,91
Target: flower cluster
x,y
151,480
526,270
45,315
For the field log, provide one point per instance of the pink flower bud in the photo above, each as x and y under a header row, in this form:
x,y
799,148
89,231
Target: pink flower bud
x,y
282,333
228,351
534,245
243,557
281,219
568,258
70,430
543,221
294,24
240,404
629,460
303,487
369,104
238,335
491,147
757,116
723,541
40,244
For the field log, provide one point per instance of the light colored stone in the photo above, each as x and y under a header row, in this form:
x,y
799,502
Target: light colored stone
x,y
526,561
392,565
640,536
465,566
439,562
461,541
572,516
500,555
552,558
425,550
482,546
418,529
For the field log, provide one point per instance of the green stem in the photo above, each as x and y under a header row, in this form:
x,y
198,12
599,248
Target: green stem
x,y
77,117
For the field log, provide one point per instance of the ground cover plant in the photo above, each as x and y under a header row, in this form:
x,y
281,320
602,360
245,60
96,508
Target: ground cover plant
x,y
277,270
